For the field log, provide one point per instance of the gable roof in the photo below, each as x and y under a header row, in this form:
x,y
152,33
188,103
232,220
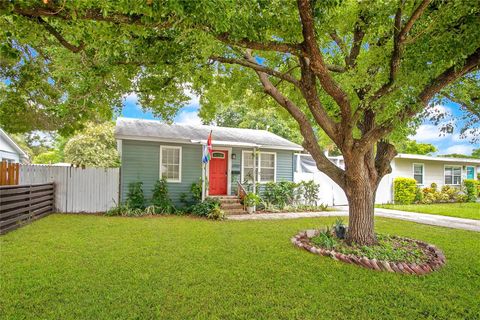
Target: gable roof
x,y
12,144
433,158
153,130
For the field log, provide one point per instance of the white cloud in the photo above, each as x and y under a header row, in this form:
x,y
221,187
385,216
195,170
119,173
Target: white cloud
x,y
468,135
428,133
188,117
459,148
131,99
194,99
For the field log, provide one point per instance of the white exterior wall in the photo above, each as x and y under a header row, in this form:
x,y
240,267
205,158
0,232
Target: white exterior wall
x,y
7,151
433,170
330,193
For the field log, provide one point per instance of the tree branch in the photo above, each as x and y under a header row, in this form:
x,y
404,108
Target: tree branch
x,y
309,91
257,67
340,43
310,140
447,77
291,48
60,38
317,63
399,37
358,35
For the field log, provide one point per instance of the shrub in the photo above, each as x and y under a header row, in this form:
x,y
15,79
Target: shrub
x,y
195,195
203,209
135,196
216,213
310,192
471,189
126,211
161,202
280,194
251,199
325,240
405,190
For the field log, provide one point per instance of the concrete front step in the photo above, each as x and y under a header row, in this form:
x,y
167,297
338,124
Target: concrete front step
x,y
234,212
231,206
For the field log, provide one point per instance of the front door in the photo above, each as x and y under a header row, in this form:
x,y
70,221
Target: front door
x,y
470,173
218,173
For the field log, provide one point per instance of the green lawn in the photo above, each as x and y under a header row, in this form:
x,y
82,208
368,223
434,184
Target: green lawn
x,y
460,210
92,267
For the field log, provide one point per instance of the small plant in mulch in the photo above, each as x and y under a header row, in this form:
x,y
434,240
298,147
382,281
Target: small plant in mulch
x,y
391,253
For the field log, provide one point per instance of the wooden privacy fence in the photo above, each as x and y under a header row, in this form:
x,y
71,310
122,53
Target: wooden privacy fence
x,y
77,190
22,204
9,173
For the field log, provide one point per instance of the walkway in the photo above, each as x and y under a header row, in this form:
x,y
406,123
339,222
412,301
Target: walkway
x,y
435,220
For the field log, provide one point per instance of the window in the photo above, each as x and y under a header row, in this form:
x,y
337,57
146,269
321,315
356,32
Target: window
x,y
453,175
266,170
418,172
267,167
171,163
218,155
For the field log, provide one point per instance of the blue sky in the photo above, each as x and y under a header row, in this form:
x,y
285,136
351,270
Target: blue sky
x,y
426,133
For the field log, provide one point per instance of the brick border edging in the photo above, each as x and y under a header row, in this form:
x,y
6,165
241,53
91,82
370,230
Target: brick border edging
x,y
302,240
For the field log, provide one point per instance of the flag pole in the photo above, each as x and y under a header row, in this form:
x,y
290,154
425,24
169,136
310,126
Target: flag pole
x,y
203,180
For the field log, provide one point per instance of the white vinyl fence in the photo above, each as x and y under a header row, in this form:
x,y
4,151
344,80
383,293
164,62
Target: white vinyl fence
x,y
76,189
330,193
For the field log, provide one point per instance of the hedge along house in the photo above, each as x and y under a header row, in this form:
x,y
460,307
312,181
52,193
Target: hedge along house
x,y
150,150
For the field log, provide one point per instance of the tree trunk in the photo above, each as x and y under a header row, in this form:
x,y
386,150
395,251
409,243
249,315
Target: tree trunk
x,y
361,200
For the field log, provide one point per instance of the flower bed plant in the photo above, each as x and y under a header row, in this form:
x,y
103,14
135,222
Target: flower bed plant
x,y
391,253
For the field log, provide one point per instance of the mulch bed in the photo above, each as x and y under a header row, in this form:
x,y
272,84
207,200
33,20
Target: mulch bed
x,y
435,258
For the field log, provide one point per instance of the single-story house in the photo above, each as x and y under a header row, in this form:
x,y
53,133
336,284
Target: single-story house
x,y
10,151
151,149
425,169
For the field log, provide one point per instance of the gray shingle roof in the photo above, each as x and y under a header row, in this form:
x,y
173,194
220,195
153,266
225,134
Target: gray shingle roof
x,y
139,129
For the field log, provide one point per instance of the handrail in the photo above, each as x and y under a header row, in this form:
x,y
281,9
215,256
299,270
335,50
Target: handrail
x,y
241,192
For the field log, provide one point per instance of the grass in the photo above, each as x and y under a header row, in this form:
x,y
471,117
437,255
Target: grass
x,y
459,210
94,267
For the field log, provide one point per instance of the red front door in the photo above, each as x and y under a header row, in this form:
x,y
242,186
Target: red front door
x,y
218,173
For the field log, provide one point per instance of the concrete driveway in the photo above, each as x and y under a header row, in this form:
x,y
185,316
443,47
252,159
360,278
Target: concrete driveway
x,y
431,219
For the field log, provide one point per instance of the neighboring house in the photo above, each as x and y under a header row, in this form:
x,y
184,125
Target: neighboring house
x,y
10,151
151,149
425,169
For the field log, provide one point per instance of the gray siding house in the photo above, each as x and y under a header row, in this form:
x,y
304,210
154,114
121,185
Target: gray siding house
x,y
151,149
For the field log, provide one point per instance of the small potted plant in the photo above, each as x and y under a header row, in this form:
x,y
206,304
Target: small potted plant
x,y
340,229
251,200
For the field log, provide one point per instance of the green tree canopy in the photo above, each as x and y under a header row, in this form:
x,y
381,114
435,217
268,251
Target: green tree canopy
x,y
95,146
360,71
413,147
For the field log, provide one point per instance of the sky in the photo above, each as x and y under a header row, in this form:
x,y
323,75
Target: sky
x,y
426,133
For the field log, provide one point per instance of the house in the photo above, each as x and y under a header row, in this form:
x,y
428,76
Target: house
x,y
10,151
151,149
425,169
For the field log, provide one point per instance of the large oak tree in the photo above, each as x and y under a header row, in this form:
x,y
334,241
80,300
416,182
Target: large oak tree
x,y
357,70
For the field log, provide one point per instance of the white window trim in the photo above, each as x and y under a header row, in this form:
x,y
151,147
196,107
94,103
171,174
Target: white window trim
x,y
179,166
423,172
258,166
444,175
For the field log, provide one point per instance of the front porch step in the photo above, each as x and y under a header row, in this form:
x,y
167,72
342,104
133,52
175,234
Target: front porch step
x,y
231,206
234,212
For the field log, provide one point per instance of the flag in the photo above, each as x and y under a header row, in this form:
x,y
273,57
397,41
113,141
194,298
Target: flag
x,y
206,155
207,149
209,144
